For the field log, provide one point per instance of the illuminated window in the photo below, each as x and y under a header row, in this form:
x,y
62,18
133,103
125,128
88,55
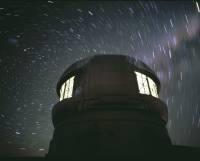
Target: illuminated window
x,y
153,87
142,83
67,89
62,90
146,85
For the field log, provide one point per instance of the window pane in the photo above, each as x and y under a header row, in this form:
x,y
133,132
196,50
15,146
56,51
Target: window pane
x,y
66,88
139,81
62,92
145,84
142,83
153,87
70,89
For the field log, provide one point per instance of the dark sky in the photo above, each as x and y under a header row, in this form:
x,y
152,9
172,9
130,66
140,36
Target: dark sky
x,y
39,40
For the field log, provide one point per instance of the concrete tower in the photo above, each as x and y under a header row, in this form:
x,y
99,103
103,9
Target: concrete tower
x,y
109,107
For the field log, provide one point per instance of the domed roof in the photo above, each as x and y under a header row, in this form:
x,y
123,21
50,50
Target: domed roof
x,y
84,63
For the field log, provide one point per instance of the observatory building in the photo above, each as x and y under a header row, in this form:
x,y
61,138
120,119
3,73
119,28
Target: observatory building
x,y
108,106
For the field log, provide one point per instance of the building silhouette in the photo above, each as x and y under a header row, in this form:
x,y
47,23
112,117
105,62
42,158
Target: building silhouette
x,y
109,107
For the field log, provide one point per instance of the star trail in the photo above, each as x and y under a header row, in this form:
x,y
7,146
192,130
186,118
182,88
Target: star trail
x,y
39,40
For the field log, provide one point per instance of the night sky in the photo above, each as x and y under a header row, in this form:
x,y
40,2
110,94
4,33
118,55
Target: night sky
x,y
39,40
